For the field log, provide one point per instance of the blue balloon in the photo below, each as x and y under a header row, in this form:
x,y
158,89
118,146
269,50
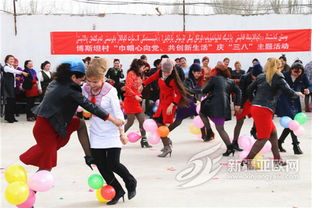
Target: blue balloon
x,y
155,108
284,121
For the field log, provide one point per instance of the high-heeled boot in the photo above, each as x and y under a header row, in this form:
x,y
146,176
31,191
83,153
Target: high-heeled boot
x,y
170,144
236,147
230,150
297,150
167,150
144,143
280,147
131,188
119,194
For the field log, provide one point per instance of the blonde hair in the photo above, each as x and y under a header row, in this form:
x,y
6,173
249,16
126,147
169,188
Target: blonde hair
x,y
270,68
97,68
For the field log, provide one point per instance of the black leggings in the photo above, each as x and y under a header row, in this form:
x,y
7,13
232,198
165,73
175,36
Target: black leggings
x,y
108,163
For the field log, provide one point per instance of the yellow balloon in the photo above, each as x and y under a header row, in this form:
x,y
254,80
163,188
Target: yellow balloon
x,y
99,196
17,192
257,162
194,130
15,173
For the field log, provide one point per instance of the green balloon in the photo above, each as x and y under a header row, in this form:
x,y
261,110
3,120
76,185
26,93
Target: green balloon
x,y
95,181
301,118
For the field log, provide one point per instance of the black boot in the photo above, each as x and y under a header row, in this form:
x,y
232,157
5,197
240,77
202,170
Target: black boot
x,y
297,150
280,147
230,150
119,192
116,198
144,143
236,147
131,188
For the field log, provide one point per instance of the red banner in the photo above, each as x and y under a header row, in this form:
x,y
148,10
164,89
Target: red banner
x,y
171,42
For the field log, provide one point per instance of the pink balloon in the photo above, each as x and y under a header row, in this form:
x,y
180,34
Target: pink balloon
x,y
42,181
266,148
243,154
157,102
293,125
30,200
79,109
299,132
153,138
245,142
133,137
198,123
197,109
150,125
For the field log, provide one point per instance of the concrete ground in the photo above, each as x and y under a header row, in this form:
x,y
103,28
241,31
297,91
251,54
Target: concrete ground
x,y
161,181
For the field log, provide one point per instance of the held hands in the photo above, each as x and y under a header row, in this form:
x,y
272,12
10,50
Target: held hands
x,y
138,98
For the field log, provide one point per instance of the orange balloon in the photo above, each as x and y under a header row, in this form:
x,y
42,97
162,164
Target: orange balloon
x,y
163,131
86,114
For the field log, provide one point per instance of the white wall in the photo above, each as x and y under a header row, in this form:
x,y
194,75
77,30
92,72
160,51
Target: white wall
x,y
33,38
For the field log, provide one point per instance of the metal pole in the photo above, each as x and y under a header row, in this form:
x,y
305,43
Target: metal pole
x,y
183,15
15,27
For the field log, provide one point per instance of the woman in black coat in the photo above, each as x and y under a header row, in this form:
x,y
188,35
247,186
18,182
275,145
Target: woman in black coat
x,y
268,88
217,104
287,106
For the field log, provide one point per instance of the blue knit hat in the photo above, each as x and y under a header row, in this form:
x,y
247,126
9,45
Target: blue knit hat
x,y
76,64
256,70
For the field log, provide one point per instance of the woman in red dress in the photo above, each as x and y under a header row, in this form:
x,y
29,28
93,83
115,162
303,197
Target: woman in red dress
x,y
133,98
172,93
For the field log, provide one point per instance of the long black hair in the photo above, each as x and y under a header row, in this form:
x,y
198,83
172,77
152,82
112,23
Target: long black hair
x,y
63,73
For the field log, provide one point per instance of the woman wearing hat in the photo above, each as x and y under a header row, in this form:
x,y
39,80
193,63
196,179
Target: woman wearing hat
x,y
287,106
172,94
216,105
55,117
